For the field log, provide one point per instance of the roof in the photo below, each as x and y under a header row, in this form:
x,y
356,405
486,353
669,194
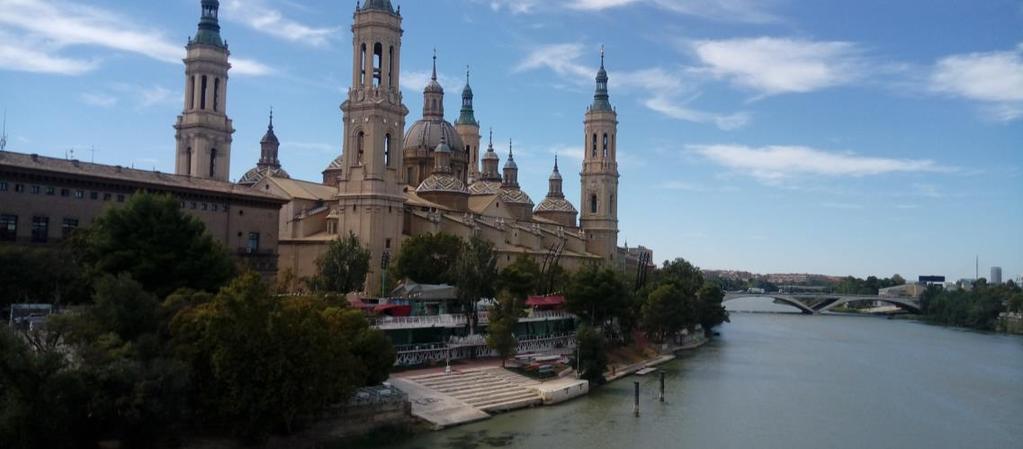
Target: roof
x,y
257,174
442,183
304,190
378,5
131,177
538,301
555,204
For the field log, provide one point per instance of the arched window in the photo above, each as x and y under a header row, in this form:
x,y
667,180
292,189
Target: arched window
x,y
605,145
191,93
359,140
362,66
390,68
188,161
202,100
387,150
593,203
216,94
378,63
433,106
213,162
594,151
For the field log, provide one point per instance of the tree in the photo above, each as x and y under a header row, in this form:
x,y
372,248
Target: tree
x,y
710,308
475,273
666,312
592,353
597,296
261,363
40,275
162,247
501,328
342,269
428,258
897,280
521,278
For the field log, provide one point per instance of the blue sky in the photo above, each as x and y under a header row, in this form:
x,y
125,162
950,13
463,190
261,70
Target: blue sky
x,y
826,136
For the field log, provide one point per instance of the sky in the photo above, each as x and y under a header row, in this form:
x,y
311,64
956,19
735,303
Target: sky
x,y
823,136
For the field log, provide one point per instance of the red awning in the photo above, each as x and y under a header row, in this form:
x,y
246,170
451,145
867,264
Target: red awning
x,y
546,301
393,309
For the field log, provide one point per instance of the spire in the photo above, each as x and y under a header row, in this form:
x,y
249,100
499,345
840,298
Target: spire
x,y
600,97
209,25
271,118
433,95
269,146
555,182
434,65
511,169
467,116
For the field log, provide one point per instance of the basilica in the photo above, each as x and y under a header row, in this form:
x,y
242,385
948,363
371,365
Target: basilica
x,y
391,181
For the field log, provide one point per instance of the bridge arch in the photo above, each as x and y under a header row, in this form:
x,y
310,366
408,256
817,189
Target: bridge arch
x,y
788,300
903,303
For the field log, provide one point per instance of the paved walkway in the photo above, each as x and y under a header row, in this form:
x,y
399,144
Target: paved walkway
x,y
439,409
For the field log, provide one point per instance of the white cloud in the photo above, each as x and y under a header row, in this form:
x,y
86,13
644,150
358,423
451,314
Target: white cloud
x,y
750,11
49,27
679,112
993,78
258,16
249,67
98,99
661,87
697,188
416,81
776,163
774,66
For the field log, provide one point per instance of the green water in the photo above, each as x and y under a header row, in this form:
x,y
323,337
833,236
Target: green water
x,y
793,381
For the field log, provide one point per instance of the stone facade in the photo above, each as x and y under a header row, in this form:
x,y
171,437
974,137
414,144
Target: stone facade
x,y
43,200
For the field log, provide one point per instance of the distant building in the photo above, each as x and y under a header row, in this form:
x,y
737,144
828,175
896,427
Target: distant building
x,y
927,280
996,275
903,291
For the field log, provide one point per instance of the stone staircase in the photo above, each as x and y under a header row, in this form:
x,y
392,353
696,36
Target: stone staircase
x,y
490,390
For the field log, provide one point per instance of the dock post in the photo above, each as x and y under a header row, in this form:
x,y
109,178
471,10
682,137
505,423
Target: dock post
x,y
662,386
635,407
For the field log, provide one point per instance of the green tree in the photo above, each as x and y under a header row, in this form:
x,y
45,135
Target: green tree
x,y
342,268
666,312
501,327
475,273
428,258
710,308
592,353
521,278
597,296
40,275
162,247
261,362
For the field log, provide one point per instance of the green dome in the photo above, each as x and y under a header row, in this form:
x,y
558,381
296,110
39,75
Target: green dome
x,y
378,5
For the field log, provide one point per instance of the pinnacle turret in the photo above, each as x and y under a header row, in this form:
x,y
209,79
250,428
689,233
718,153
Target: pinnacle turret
x,y
209,25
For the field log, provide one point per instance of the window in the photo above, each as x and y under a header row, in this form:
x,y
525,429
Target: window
x,y
253,242
8,227
79,194
69,226
65,192
19,188
213,162
202,101
93,195
50,190
594,151
215,207
36,190
194,205
191,93
359,141
387,244
390,68
40,229
216,94
3,186
593,203
362,66
378,62
387,150
188,162
408,175
205,206
605,145
120,198
107,196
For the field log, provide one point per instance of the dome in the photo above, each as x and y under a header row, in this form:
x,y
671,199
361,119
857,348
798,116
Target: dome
x,y
442,183
426,134
257,174
552,204
485,188
270,137
516,196
378,5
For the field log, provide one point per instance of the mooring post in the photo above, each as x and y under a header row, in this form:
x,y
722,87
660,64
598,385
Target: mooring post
x,y
635,407
662,386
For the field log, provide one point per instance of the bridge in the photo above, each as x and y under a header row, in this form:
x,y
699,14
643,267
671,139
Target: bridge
x,y
814,303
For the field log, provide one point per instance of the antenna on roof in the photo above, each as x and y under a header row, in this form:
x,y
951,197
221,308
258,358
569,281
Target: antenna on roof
x,y
3,134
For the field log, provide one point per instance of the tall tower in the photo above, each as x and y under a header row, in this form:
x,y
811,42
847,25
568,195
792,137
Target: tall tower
x,y
203,128
599,178
469,130
371,203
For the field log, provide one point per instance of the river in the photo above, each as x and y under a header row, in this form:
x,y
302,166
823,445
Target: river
x,y
791,381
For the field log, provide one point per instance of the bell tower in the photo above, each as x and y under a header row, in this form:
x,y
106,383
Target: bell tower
x,y
371,203
203,130
469,130
599,178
